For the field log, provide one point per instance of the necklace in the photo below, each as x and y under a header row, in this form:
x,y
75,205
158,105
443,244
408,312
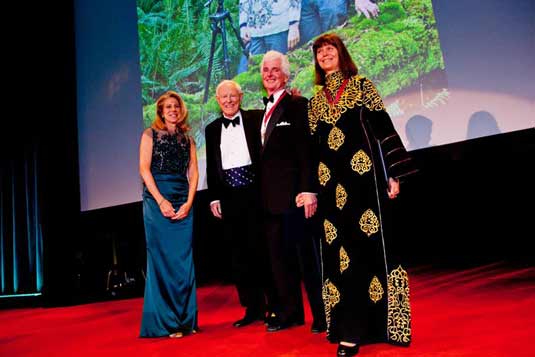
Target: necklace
x,y
339,92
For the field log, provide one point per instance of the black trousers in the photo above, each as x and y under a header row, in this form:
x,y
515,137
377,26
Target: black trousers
x,y
242,230
294,254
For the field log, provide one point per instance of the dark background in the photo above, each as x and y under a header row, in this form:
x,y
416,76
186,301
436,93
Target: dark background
x,y
471,204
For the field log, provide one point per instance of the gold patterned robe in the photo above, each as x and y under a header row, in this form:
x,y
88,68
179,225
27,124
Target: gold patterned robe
x,y
366,296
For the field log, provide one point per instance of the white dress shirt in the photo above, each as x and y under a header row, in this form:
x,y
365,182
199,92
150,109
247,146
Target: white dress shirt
x,y
234,149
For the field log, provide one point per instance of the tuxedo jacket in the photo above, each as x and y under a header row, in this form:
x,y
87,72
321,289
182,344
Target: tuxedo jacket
x,y
286,158
217,187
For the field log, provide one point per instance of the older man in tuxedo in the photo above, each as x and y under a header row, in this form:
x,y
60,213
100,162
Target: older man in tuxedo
x,y
232,147
287,177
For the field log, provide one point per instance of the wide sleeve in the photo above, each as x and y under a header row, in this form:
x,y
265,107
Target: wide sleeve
x,y
315,143
390,151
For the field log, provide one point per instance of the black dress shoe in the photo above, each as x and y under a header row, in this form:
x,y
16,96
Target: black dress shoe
x,y
318,326
247,320
270,318
347,350
276,325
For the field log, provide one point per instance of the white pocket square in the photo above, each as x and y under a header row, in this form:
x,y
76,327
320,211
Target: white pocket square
x,y
283,123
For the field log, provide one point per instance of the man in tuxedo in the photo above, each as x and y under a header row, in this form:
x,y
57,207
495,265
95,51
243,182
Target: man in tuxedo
x,y
287,177
232,147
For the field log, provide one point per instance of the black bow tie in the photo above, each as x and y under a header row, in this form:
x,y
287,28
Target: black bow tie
x,y
266,99
235,121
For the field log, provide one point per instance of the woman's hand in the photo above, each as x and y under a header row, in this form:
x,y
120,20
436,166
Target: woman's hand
x,y
167,208
393,188
182,212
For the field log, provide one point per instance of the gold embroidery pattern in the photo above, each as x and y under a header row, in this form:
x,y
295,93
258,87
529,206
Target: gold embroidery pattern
x,y
330,231
312,118
333,81
399,309
361,162
331,297
324,174
359,91
341,196
344,260
335,139
372,100
369,223
375,290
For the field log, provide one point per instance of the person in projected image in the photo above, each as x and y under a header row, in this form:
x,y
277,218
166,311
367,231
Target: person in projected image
x,y
320,16
168,167
361,163
480,124
286,165
268,25
232,148
418,131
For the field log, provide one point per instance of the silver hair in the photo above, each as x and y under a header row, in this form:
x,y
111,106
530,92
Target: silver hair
x,y
228,81
273,55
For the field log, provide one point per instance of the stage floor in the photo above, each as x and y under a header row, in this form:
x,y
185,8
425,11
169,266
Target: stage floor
x,y
483,311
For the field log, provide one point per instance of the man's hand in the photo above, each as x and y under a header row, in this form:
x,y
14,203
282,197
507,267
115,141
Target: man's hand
x,y
295,91
293,35
366,8
309,201
215,207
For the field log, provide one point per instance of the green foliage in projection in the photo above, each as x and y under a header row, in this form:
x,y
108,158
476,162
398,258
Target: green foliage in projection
x,y
174,43
393,50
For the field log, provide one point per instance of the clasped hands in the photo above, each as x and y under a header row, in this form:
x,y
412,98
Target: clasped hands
x,y
309,201
168,210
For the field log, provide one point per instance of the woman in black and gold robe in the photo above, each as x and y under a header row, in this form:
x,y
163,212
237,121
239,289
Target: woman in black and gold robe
x,y
361,162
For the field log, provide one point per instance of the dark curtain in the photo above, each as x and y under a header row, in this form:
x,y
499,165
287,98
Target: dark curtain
x,y
21,243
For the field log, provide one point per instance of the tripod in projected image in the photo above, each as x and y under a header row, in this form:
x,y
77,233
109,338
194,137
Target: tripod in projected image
x,y
217,24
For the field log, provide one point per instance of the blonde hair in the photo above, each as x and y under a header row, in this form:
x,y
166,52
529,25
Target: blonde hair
x,y
159,121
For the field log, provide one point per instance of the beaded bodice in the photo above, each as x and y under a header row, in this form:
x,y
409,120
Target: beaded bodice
x,y
170,152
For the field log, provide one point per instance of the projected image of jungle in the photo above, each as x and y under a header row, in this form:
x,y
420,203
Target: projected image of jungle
x,y
190,46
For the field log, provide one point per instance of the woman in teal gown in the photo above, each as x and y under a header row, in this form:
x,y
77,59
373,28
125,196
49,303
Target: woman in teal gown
x,y
168,166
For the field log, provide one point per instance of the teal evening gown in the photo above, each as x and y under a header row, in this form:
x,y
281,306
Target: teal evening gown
x,y
170,303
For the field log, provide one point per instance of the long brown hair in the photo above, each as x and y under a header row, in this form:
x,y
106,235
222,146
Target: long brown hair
x,y
347,66
159,122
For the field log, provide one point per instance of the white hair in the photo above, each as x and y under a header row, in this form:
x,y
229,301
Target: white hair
x,y
273,55
229,82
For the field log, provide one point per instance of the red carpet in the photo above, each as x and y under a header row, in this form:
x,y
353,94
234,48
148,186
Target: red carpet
x,y
485,311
